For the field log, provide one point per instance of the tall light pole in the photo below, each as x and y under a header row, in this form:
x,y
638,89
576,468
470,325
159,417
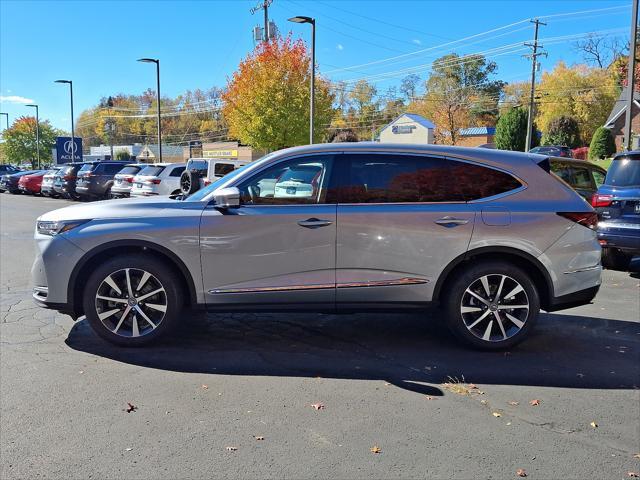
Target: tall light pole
x,y
312,21
157,62
631,68
73,135
2,113
37,131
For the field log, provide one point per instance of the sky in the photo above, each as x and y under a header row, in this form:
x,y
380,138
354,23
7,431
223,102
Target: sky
x,y
200,43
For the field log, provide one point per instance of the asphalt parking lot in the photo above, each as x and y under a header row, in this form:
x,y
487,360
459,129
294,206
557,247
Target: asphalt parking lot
x,y
232,395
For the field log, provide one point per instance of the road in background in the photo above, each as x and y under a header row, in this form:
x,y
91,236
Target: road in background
x,y
227,380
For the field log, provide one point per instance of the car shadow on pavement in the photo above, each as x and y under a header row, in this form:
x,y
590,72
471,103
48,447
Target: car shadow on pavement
x,y
404,350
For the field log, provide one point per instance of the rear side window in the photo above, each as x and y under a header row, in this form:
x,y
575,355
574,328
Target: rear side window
x,y
112,168
221,169
198,165
150,171
624,172
177,171
87,167
562,170
376,178
598,177
582,178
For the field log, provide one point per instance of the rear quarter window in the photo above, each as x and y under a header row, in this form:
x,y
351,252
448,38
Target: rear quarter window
x,y
150,171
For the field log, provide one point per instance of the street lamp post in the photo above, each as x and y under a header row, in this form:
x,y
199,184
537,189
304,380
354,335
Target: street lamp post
x,y
37,131
73,136
312,21
157,62
2,113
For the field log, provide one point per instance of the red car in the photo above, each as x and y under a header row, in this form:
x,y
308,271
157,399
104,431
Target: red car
x,y
31,183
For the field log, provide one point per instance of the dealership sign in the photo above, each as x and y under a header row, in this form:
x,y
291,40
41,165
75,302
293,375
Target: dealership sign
x,y
67,151
220,153
401,129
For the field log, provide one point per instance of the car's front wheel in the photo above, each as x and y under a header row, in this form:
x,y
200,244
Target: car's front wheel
x,y
132,300
491,305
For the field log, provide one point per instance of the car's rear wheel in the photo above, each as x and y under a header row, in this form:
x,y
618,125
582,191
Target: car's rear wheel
x,y
615,259
491,305
132,300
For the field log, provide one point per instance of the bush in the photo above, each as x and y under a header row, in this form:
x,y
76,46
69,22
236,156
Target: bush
x,y
511,130
123,155
562,131
602,144
581,153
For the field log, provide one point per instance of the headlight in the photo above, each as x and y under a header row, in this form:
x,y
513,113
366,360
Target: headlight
x,y
54,228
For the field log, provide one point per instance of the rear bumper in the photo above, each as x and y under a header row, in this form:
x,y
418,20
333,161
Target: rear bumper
x,y
627,239
575,299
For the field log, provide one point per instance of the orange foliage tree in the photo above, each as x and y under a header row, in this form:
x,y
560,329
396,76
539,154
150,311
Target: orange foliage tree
x,y
266,102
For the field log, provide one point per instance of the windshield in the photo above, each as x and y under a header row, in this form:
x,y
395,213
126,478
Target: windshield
x,y
624,172
129,170
150,171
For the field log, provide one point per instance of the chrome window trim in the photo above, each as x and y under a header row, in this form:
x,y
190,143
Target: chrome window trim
x,y
324,286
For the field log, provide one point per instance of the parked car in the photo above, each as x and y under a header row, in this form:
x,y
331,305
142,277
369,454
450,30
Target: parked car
x,y
201,172
64,183
490,235
123,181
584,177
158,179
95,179
46,188
9,182
31,183
618,205
6,169
553,150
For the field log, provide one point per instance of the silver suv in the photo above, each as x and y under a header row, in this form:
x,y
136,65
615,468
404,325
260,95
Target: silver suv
x,y
491,236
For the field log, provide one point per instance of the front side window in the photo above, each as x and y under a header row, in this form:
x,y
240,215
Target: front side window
x,y
299,181
379,178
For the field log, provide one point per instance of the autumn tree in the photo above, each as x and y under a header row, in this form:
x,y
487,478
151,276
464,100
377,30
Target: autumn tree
x,y
266,102
511,130
459,92
20,141
584,93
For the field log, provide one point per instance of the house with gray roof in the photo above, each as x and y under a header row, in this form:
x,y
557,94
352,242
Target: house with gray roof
x,y
617,119
408,128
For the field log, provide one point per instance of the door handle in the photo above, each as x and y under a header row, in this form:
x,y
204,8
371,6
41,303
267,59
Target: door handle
x,y
451,221
314,223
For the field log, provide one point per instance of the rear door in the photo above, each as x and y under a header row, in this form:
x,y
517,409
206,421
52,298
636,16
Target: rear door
x,y
401,220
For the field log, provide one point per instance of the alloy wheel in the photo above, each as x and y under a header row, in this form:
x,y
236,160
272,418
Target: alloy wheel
x,y
494,307
131,302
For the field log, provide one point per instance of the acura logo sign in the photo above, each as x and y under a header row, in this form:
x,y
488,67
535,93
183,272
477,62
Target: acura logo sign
x,y
70,147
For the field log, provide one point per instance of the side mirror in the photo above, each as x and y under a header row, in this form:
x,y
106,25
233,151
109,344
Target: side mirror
x,y
227,197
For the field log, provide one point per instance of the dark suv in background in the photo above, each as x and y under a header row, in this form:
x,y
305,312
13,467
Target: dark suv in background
x,y
95,179
553,150
618,205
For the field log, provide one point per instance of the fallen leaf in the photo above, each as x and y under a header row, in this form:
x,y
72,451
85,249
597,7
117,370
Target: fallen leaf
x,y
496,414
205,387
429,397
375,449
128,449
593,425
231,449
534,403
386,384
483,402
318,406
521,472
637,455
508,423
81,372
472,386
633,474
130,408
258,437
515,404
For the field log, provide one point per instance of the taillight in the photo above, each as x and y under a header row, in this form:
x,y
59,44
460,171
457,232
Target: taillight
x,y
586,219
206,182
154,181
599,200
69,177
129,179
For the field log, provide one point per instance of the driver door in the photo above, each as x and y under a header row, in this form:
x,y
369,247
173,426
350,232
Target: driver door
x,y
279,246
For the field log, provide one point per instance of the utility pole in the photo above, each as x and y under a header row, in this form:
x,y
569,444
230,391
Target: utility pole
x,y
263,6
631,75
534,56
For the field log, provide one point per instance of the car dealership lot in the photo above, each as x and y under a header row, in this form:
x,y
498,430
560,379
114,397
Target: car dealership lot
x,y
227,380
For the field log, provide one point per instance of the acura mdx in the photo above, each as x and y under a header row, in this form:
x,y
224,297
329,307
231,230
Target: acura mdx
x,y
490,236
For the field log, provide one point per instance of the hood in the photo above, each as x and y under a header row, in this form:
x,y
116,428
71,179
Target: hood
x,y
123,208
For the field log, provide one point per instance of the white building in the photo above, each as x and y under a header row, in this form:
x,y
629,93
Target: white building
x,y
105,150
408,128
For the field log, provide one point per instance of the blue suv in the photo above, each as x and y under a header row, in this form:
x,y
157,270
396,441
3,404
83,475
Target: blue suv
x,y
618,205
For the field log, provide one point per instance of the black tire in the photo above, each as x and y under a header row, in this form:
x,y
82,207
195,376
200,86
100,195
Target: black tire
x,y
457,288
160,273
107,194
615,259
189,182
